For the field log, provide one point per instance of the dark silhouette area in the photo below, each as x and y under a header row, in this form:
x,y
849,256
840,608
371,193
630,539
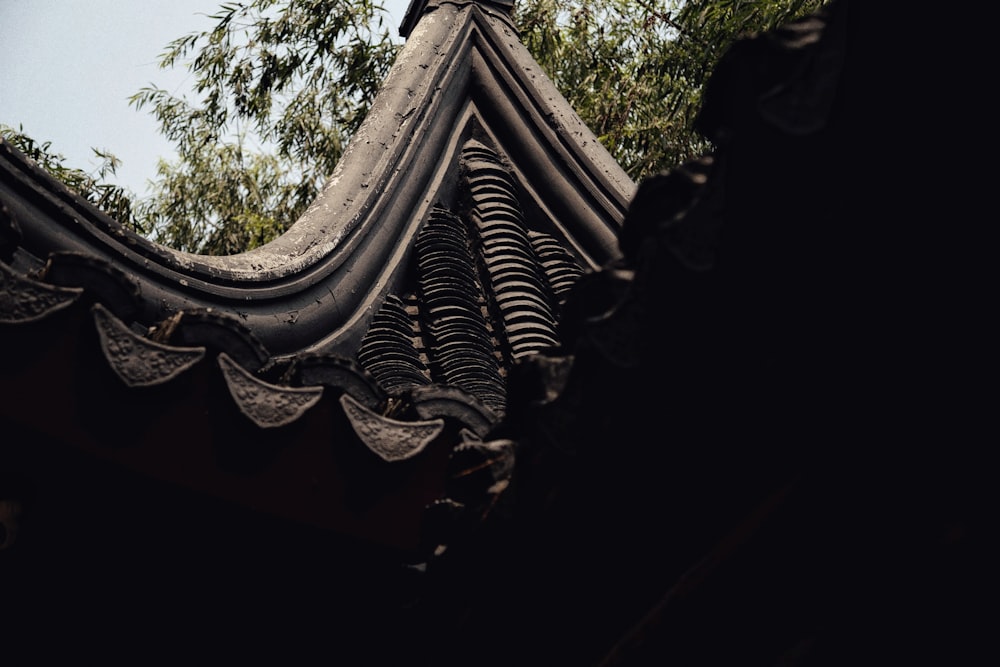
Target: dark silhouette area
x,y
765,440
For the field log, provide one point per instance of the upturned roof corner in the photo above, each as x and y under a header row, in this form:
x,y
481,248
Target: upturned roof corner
x,y
461,74
438,254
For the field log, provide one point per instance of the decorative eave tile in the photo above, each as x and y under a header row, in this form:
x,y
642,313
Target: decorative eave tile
x,y
24,300
390,439
138,361
266,405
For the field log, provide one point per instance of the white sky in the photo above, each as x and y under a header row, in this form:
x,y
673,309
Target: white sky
x,y
68,67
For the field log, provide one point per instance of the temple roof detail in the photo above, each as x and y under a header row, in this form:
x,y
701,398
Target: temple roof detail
x,y
437,254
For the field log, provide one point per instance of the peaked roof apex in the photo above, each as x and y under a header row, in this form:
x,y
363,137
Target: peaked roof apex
x,y
418,8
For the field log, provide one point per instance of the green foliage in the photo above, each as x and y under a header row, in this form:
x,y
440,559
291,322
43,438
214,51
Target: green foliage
x,y
610,58
281,86
635,71
223,200
113,200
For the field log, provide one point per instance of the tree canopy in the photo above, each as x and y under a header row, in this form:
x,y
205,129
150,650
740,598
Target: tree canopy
x,y
635,70
92,186
281,86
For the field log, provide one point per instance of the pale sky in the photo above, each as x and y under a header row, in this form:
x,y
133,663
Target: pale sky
x,y
68,67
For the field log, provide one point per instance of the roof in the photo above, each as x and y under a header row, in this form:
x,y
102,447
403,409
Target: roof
x,y
386,319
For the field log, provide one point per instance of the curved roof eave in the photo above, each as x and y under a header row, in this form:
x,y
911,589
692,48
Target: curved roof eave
x,y
304,289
